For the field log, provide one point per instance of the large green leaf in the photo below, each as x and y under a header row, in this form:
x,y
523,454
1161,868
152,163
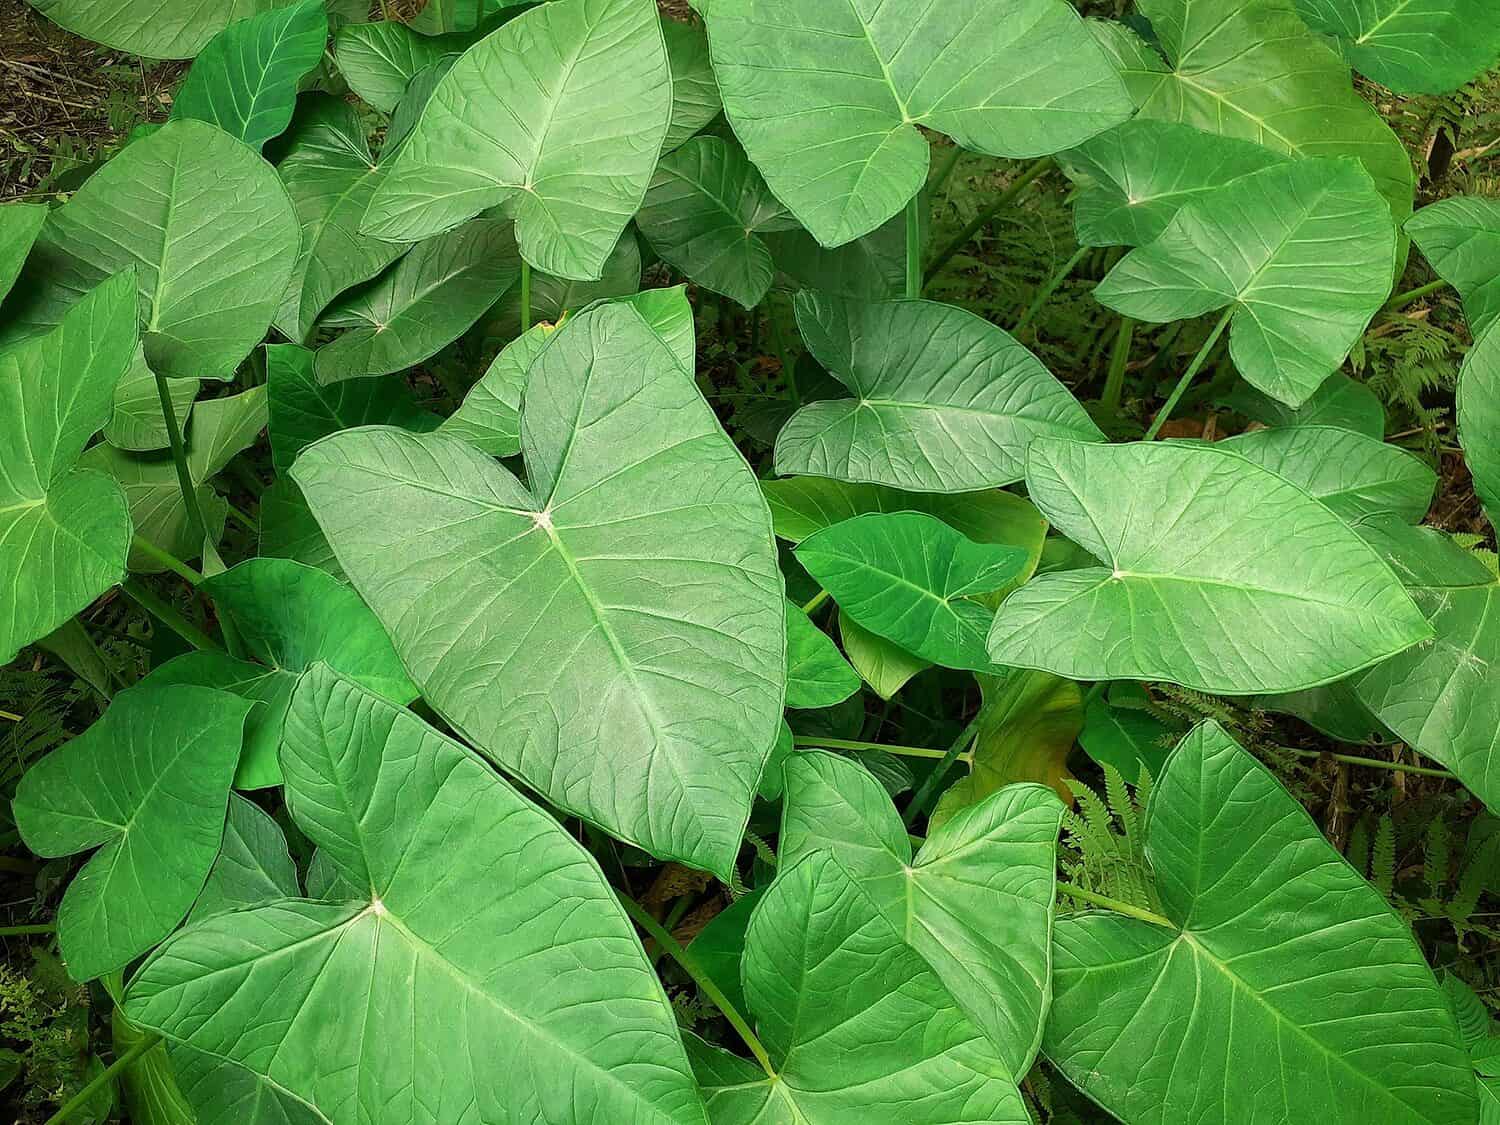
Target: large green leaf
x,y
816,675
379,59
167,29
302,409
330,175
1412,46
489,418
153,498
871,268
704,213
1441,697
1478,410
1223,553
827,98
149,782
209,230
64,531
615,635
1251,69
976,901
253,866
1461,238
858,1028
912,579
532,117
136,421
695,92
222,1093
1301,251
288,617
289,531
245,81
1135,177
450,856
946,402
20,224
1284,989
423,303
1353,474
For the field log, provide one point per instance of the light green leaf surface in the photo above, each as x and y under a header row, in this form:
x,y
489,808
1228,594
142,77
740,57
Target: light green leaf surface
x,y
64,531
135,421
1461,238
489,418
1422,556
289,617
1251,69
1354,475
209,230
330,175
245,80
426,301
1135,177
1285,989
1412,46
289,531
945,402
912,579
695,93
816,675
20,224
826,98
148,1087
976,901
169,29
1301,251
222,1093
413,102
149,783
1478,410
379,59
1225,559
1339,401
530,116
253,867
627,609
223,427
302,410
1441,697
450,855
703,215
884,666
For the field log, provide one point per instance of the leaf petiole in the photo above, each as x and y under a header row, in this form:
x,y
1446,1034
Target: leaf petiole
x,y
1081,895
1187,376
99,1081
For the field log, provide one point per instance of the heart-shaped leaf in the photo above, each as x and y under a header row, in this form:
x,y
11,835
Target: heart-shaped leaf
x,y
1414,48
64,531
169,29
1276,955
149,782
532,117
1225,551
1461,238
816,675
450,856
551,625
245,80
1135,177
1301,251
826,98
976,902
912,579
946,402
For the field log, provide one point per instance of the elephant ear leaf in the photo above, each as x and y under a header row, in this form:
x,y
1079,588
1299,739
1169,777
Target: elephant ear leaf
x,y
1302,253
857,1026
549,624
448,856
573,167
1252,963
245,81
1461,238
64,531
149,782
1226,550
1428,48
168,29
827,97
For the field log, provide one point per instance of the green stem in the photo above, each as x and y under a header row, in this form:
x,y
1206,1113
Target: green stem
x,y
242,518
1373,763
1119,358
1187,376
914,247
928,791
700,977
1046,291
1401,300
1001,201
1116,905
525,295
21,931
168,560
815,601
812,741
196,521
138,592
103,1078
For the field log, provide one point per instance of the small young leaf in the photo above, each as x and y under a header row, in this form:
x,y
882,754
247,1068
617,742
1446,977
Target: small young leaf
x,y
816,676
1461,238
